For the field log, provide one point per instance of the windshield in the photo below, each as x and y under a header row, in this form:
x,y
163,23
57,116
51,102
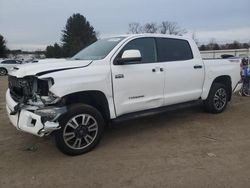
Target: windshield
x,y
98,50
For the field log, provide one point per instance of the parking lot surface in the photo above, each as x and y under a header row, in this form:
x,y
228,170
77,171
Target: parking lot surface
x,y
184,148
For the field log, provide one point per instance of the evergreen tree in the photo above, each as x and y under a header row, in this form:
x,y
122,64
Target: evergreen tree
x,y
78,34
3,48
57,51
53,51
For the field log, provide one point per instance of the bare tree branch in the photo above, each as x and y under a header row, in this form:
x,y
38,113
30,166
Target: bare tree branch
x,y
150,28
171,28
166,27
134,28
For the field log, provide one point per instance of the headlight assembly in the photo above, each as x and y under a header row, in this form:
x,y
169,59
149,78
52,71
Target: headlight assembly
x,y
43,86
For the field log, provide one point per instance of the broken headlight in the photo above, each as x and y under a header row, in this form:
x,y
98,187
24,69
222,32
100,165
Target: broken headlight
x,y
43,86
46,96
41,95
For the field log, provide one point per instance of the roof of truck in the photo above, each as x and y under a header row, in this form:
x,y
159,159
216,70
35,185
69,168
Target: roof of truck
x,y
150,35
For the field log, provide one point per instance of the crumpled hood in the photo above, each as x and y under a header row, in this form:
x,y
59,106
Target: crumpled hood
x,y
47,66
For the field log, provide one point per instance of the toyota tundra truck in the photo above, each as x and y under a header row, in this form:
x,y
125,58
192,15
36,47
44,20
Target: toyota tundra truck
x,y
113,79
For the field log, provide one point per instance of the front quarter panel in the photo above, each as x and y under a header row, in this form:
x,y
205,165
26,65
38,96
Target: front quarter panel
x,y
96,76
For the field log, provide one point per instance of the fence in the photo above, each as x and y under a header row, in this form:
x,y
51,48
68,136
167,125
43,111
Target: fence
x,y
214,54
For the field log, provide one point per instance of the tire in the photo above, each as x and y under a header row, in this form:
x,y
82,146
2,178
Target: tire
x,y
217,99
81,130
3,72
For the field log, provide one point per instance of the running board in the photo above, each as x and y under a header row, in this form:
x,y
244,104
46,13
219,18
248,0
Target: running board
x,y
157,110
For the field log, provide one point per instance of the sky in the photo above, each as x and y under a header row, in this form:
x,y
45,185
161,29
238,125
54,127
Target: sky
x,y
34,24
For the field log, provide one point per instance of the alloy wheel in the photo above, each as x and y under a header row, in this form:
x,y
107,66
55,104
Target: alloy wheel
x,y
220,98
80,131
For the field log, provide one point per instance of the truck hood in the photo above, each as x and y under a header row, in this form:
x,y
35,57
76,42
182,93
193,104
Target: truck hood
x,y
47,66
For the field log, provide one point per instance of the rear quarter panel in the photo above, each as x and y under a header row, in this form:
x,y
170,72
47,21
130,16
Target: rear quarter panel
x,y
217,68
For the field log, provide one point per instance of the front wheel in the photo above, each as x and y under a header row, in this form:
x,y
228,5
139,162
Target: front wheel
x,y
81,130
217,99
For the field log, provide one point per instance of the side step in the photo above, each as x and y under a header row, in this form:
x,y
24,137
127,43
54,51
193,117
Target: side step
x,y
157,110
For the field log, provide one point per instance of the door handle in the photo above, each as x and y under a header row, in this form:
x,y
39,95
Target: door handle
x,y
197,66
119,76
158,69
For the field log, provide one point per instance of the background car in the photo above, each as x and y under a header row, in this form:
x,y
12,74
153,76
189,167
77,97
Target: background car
x,y
7,65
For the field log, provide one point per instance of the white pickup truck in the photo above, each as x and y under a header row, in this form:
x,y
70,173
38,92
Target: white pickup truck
x,y
115,78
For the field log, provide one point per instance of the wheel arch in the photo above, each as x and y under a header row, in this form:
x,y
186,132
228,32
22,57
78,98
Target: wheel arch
x,y
93,98
226,80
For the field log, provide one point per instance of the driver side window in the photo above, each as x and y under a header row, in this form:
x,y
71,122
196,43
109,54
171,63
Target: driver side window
x,y
146,46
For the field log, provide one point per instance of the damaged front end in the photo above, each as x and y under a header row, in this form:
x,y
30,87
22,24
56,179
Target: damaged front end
x,y
32,107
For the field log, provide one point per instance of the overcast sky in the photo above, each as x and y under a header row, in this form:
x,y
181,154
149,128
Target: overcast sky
x,y
33,24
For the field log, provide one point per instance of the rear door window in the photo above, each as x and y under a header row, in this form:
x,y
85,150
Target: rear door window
x,y
173,50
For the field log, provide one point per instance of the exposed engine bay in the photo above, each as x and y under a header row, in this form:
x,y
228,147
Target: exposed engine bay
x,y
30,89
32,95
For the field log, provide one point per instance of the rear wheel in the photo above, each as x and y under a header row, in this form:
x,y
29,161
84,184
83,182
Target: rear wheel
x,y
81,130
217,99
3,72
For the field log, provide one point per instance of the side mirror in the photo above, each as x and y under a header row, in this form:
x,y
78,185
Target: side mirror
x,y
129,56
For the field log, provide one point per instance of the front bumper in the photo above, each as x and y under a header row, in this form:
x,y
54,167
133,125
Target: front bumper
x,y
27,121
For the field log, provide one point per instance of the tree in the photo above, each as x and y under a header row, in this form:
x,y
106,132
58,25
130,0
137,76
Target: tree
x,y
216,47
166,27
78,34
3,48
202,47
57,51
53,51
150,28
234,45
246,45
171,28
213,45
134,28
